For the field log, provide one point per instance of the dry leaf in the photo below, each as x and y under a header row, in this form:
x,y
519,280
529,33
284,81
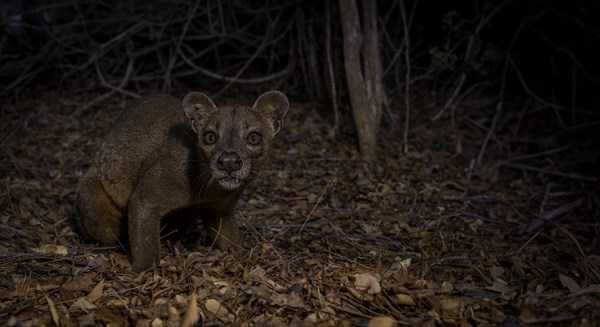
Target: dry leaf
x,y
82,304
96,293
296,302
79,283
527,314
262,292
180,299
218,310
213,306
496,271
161,301
107,317
475,224
355,293
279,299
370,229
258,274
173,313
401,264
118,303
220,282
191,316
87,319
51,249
382,322
569,283
310,320
453,305
446,287
53,311
405,299
367,283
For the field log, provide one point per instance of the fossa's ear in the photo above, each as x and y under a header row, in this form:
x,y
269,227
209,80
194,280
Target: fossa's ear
x,y
197,106
272,105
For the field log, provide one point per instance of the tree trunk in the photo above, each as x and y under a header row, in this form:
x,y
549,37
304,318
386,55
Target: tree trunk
x,y
365,88
372,59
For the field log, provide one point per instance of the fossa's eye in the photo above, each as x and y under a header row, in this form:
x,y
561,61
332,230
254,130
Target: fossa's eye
x,y
254,138
209,138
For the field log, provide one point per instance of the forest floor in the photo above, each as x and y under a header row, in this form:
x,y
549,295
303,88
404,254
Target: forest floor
x,y
416,239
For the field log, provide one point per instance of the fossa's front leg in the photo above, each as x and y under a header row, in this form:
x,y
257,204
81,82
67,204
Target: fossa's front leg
x,y
223,230
144,238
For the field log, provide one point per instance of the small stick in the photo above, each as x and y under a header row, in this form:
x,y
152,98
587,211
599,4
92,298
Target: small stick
x,y
167,77
234,79
534,155
316,204
261,236
552,172
123,81
407,76
330,66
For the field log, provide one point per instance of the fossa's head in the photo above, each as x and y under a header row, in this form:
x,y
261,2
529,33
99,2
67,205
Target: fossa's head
x,y
234,139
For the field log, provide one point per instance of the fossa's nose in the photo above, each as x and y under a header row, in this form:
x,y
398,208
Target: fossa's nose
x,y
229,162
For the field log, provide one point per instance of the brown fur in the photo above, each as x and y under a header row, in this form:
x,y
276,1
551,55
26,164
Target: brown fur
x,y
165,154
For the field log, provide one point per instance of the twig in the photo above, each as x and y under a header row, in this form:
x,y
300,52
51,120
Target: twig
x,y
508,61
260,235
496,115
265,39
530,92
547,188
528,241
533,155
450,101
317,203
407,75
537,224
245,66
574,239
467,58
256,80
551,172
103,48
12,205
551,215
167,78
550,319
122,83
332,88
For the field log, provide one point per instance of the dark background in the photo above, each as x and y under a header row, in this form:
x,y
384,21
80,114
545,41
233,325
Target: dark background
x,y
550,47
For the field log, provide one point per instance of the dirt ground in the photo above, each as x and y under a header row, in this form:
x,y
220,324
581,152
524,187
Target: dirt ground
x,y
417,239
